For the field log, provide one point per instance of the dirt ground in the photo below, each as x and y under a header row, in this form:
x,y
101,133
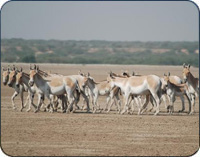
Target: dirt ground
x,y
86,134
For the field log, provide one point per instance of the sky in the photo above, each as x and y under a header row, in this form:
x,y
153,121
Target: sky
x,y
112,21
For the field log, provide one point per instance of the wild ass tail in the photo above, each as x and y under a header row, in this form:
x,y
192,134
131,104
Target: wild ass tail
x,y
78,87
159,91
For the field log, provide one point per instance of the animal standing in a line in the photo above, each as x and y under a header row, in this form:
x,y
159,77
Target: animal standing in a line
x,y
192,83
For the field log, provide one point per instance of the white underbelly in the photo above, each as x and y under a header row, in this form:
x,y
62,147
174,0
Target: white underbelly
x,y
57,90
191,89
139,90
104,92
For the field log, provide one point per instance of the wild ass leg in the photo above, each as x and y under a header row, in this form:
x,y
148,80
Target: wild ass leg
x,y
138,102
95,103
118,103
40,101
22,100
107,102
27,100
87,101
193,104
163,98
13,98
144,105
152,104
64,104
71,101
170,107
183,104
157,101
130,103
31,97
126,98
77,99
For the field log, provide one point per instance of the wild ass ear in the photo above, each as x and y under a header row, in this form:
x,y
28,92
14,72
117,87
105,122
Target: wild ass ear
x,y
21,69
183,65
8,68
168,73
30,67
188,66
133,74
37,69
13,67
3,69
165,74
88,74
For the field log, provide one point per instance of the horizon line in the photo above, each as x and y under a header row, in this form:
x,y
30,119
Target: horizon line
x,y
103,40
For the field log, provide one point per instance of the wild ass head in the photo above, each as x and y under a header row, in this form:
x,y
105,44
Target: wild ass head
x,y
110,79
186,72
12,76
19,77
90,79
33,72
5,75
166,80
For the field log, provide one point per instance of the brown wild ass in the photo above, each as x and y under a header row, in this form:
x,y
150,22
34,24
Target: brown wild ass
x,y
138,85
173,90
103,88
135,98
23,78
10,77
192,83
53,85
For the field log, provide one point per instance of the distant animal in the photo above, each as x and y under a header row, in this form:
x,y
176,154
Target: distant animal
x,y
192,83
173,90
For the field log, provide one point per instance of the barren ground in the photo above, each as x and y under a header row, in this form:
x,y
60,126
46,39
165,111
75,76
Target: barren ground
x,y
28,133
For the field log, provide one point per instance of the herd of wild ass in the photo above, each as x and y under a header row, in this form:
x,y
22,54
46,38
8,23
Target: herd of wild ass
x,y
132,89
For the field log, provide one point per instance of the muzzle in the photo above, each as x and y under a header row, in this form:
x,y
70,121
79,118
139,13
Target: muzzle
x,y
31,83
184,80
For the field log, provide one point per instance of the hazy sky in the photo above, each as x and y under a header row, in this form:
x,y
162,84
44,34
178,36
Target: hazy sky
x,y
115,21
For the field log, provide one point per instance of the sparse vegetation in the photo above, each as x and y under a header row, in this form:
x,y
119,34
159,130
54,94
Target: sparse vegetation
x,y
99,52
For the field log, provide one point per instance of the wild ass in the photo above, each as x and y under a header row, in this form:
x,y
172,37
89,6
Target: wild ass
x,y
135,98
192,83
138,85
177,81
53,85
82,82
23,78
173,90
9,77
103,88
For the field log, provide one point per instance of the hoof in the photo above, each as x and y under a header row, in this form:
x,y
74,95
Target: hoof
x,y
155,114
36,111
122,113
191,113
14,108
88,111
28,110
